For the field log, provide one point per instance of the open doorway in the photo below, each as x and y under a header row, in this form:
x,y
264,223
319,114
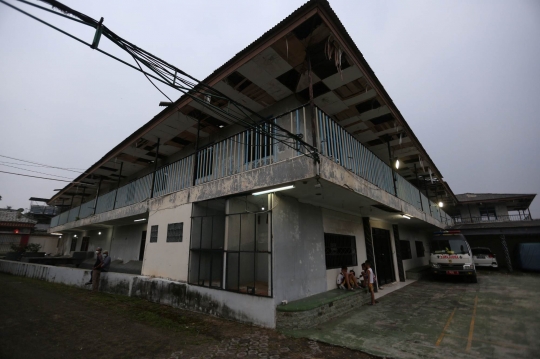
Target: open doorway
x,y
143,245
384,263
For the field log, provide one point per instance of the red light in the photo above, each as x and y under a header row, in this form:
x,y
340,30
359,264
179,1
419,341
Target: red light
x,y
16,231
491,256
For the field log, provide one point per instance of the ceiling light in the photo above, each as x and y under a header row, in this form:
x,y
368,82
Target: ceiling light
x,y
99,233
139,220
273,190
221,126
262,209
397,164
74,236
405,216
441,204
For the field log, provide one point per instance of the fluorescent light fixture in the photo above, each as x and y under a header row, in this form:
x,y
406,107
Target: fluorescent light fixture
x,y
139,220
273,190
56,234
397,164
405,216
441,204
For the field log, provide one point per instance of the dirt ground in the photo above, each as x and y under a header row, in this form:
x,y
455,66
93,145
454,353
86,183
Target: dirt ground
x,y
46,320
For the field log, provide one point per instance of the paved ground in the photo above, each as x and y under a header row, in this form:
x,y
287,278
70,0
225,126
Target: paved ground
x,y
497,318
45,320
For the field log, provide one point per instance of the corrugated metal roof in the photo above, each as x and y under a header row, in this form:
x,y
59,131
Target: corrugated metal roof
x,y
479,197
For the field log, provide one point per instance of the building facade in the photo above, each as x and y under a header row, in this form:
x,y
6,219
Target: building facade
x,y
267,208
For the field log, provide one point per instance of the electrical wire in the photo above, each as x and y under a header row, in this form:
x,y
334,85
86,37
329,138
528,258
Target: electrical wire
x,y
41,164
51,179
169,75
43,173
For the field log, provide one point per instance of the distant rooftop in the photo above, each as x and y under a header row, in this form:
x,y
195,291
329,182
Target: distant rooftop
x,y
11,217
479,197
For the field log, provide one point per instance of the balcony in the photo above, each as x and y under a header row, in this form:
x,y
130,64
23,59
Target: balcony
x,y
492,219
253,149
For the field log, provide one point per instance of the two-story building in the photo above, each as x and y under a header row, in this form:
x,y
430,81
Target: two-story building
x,y
267,208
496,221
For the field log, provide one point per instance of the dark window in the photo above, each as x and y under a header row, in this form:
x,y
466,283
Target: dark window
x,y
153,234
340,250
488,214
477,251
175,232
405,250
457,219
419,248
73,244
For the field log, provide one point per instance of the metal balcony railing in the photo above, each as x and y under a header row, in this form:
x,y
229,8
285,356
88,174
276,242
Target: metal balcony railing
x,y
493,219
256,148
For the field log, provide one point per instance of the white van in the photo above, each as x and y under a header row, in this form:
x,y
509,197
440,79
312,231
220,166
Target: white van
x,y
450,255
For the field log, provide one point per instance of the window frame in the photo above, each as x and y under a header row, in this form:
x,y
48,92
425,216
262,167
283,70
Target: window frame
x,y
153,239
170,236
352,262
405,244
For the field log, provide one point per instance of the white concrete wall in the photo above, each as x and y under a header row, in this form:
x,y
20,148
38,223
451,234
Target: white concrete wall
x,y
126,242
298,256
168,259
346,224
245,308
412,235
48,243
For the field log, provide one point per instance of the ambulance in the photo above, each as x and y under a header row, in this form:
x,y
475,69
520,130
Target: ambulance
x,y
451,255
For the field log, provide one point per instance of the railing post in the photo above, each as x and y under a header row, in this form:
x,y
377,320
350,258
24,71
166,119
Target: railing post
x,y
155,169
97,195
427,196
530,217
418,183
196,159
392,167
118,184
312,107
82,199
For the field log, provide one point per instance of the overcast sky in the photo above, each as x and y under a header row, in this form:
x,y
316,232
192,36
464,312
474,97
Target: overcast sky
x,y
464,74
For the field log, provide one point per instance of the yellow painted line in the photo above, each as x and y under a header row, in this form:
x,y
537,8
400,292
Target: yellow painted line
x,y
471,328
445,327
498,343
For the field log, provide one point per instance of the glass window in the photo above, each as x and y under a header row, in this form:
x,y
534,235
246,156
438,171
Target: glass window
x,y
450,245
233,240
405,249
153,234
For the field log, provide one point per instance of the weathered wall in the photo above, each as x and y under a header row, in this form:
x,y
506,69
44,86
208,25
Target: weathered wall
x,y
346,224
168,259
412,235
299,258
126,242
244,308
48,243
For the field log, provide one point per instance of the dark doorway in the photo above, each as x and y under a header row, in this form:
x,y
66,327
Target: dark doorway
x,y
384,263
73,247
143,244
84,244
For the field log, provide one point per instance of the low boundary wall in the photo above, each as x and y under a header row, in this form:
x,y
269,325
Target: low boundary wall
x,y
239,307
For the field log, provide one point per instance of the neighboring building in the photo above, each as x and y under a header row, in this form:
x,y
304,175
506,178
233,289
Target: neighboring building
x,y
43,213
179,194
496,221
15,229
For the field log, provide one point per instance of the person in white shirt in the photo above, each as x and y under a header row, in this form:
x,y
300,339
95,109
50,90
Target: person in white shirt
x,y
371,281
343,281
